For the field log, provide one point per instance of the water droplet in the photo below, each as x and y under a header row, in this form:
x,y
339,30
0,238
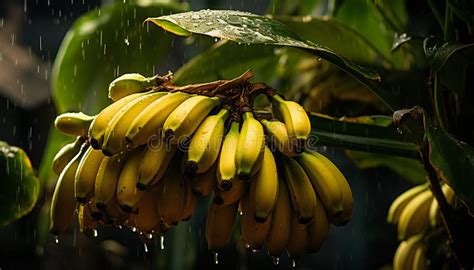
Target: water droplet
x,y
95,232
145,247
195,25
254,250
150,236
126,41
56,239
120,227
162,242
399,131
216,258
195,17
241,213
275,260
293,263
209,23
247,246
134,229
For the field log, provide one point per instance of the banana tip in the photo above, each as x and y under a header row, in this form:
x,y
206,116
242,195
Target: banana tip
x,y
81,200
126,208
226,185
191,168
141,186
94,143
244,176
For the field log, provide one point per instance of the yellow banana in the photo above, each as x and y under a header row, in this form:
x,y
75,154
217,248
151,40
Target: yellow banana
x,y
226,197
347,202
147,217
74,124
190,201
63,203
317,230
185,119
415,217
403,258
86,174
302,194
434,208
298,237
279,232
204,183
156,159
95,212
254,233
127,193
250,148
114,138
87,224
65,154
101,121
324,182
206,143
128,84
401,202
107,179
219,224
296,121
279,137
419,257
147,126
226,171
264,187
113,213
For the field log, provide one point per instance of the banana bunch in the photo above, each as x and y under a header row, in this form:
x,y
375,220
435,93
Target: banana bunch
x,y
417,216
142,161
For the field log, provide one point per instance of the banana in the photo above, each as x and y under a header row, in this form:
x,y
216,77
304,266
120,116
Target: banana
x,y
204,183
171,201
65,154
185,119
264,188
106,180
87,224
279,232
296,121
299,237
347,202
226,170
302,194
114,138
147,217
434,208
101,121
95,212
279,137
419,257
415,217
147,126
86,174
317,230
63,203
219,224
254,233
74,124
156,160
401,202
403,258
113,213
324,182
226,197
250,147
127,193
206,143
190,201
128,84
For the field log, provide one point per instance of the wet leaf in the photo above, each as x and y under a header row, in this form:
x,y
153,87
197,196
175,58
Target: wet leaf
x,y
437,53
19,187
453,161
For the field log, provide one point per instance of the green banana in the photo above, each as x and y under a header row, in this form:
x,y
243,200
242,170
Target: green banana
x,y
74,124
86,174
66,153
128,84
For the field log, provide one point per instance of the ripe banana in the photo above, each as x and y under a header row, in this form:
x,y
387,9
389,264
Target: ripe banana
x,y
87,224
296,121
317,230
250,147
302,194
185,119
65,154
403,258
254,233
206,143
86,174
113,213
204,183
324,182
147,126
147,217
279,232
226,197
415,217
63,203
156,159
128,84
190,201
401,202
434,208
226,171
127,193
264,187
419,257
347,202
74,124
101,121
298,237
279,137
114,138
219,224
107,179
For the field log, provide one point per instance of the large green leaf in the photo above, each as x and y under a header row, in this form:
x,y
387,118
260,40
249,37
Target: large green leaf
x,y
453,161
249,28
102,45
19,187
